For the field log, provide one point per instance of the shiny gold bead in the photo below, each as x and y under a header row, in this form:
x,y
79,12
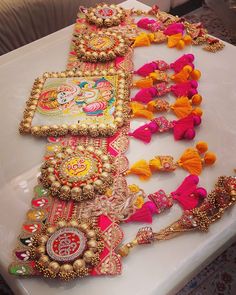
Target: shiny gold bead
x,y
88,255
75,192
123,251
91,234
84,226
233,193
92,244
54,266
61,223
66,268
78,264
50,170
105,158
65,189
51,178
56,185
44,259
41,250
98,183
51,230
88,188
107,167
73,223
43,239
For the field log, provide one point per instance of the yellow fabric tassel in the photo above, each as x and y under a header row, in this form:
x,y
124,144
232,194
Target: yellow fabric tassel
x,y
155,164
173,40
158,76
187,40
139,110
143,83
140,168
142,40
191,161
182,107
151,106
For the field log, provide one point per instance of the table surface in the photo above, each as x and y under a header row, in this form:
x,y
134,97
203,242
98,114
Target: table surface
x,y
164,267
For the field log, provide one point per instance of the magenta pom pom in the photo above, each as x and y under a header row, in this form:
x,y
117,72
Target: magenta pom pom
x,y
201,192
189,134
182,128
194,83
197,120
187,194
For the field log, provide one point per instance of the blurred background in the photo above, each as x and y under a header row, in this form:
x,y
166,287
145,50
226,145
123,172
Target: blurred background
x,y
23,21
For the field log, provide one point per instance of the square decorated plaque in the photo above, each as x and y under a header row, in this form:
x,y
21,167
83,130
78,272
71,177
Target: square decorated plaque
x,y
80,103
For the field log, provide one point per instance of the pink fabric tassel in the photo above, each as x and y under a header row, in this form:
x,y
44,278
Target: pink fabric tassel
x,y
142,133
184,60
145,132
188,88
187,194
174,28
146,69
144,23
143,214
145,95
184,128
150,67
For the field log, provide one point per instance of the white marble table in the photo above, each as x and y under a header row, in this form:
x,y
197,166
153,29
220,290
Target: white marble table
x,y
158,269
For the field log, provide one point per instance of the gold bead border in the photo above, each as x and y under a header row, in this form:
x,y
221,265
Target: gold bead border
x,y
121,113
91,54
80,267
115,20
82,192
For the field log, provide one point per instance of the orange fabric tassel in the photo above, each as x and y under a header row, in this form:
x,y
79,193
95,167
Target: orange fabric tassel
x,y
182,107
143,83
142,40
183,75
142,169
140,110
191,161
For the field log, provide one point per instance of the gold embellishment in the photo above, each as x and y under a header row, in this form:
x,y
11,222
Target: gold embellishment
x,y
77,174
68,249
100,46
200,218
104,15
73,98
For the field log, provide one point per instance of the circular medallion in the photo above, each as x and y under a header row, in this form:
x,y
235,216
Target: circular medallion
x,y
78,168
104,15
77,174
101,46
105,12
102,42
67,249
66,244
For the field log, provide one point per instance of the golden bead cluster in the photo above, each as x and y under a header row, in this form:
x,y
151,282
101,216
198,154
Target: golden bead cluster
x,y
97,15
97,129
100,46
81,265
95,182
